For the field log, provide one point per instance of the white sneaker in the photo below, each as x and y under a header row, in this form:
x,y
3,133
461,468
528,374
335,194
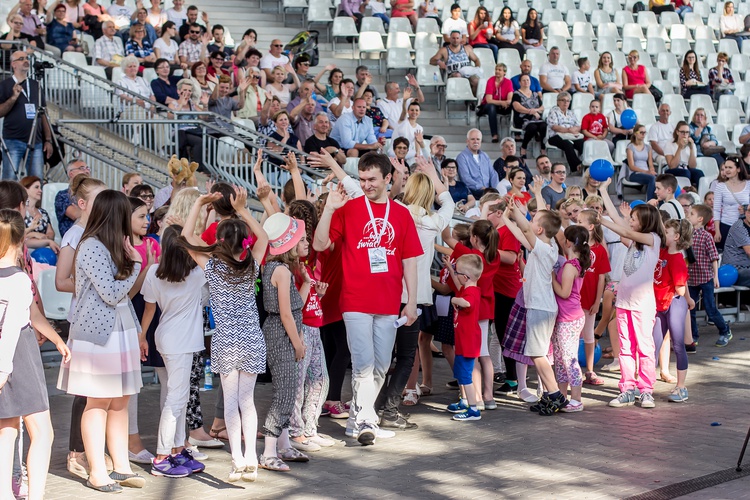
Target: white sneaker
x,y
142,457
528,395
614,366
381,433
197,455
321,441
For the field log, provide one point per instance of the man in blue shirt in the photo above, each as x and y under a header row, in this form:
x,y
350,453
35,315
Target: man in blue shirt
x,y
526,70
354,131
474,166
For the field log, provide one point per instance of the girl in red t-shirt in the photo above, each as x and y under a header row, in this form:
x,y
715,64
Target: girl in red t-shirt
x,y
312,382
593,288
484,240
672,299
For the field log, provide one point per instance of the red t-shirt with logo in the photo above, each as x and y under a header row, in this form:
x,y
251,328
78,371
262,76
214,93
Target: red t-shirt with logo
x,y
466,323
362,290
596,124
312,312
599,265
507,280
671,271
487,306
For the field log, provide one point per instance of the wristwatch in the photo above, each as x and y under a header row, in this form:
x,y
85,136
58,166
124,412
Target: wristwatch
x,y
335,152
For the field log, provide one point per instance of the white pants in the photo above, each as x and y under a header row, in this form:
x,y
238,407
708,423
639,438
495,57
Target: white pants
x,y
172,421
370,338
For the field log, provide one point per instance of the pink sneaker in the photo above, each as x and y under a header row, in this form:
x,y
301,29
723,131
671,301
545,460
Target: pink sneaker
x,y
337,410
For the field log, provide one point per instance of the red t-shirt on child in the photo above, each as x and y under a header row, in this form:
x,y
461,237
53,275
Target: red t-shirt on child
x,y
485,283
596,124
599,265
507,280
671,271
466,323
312,312
364,289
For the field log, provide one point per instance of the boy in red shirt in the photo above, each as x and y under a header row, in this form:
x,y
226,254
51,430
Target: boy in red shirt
x,y
468,334
594,125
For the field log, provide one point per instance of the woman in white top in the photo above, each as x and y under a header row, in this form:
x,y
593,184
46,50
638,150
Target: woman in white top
x,y
508,33
156,16
732,25
607,77
134,83
342,103
614,120
731,195
165,47
280,89
682,155
419,197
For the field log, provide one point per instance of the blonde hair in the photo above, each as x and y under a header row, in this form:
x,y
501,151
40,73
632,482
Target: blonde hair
x,y
472,264
684,229
592,217
180,207
593,199
419,193
572,201
573,188
489,197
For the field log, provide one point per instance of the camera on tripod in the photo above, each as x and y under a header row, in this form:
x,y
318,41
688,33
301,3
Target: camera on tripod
x,y
40,66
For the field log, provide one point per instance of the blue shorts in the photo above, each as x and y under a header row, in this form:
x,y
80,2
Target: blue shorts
x,y
462,369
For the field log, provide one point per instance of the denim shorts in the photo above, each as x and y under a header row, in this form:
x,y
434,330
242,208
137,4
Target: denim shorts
x,y
462,369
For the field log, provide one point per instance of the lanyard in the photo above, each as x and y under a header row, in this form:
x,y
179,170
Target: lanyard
x,y
26,93
379,235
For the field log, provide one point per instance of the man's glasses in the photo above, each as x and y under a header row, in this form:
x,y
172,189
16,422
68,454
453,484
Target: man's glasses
x,y
82,167
21,59
195,32
276,45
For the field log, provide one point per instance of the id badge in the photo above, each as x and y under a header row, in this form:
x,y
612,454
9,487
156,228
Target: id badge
x,y
378,260
30,111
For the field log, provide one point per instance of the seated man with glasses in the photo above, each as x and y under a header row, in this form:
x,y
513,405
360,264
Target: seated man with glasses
x,y
737,248
437,151
66,208
273,58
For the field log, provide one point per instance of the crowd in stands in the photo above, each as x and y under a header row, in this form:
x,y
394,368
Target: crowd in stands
x,y
541,264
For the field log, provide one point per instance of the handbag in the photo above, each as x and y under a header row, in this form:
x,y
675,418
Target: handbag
x,y
710,147
567,136
658,94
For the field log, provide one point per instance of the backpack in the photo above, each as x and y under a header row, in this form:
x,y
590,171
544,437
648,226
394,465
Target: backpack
x,y
304,42
639,7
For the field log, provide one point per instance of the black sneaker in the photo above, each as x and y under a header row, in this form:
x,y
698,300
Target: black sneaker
x,y
499,378
555,405
397,422
453,384
542,403
691,348
506,389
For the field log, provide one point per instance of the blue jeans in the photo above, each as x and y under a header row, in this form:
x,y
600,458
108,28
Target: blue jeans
x,y
647,180
34,164
691,173
709,304
383,18
683,10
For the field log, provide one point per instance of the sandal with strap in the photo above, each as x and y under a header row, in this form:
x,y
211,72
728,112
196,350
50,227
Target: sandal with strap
x,y
272,463
251,473
425,390
215,433
293,455
666,377
412,397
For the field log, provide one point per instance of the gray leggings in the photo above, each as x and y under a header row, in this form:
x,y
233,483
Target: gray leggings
x,y
281,362
673,319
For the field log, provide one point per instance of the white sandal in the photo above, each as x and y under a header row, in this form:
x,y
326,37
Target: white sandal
x,y
412,397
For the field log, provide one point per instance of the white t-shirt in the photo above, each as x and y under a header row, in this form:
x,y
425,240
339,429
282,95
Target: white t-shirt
x,y
269,61
72,238
661,133
166,51
537,277
671,149
392,110
616,251
450,25
504,186
636,289
404,129
180,329
555,74
331,117
178,18
377,7
583,79
120,15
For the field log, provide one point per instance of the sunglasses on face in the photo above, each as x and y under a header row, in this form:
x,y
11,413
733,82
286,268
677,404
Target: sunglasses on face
x,y
276,45
195,32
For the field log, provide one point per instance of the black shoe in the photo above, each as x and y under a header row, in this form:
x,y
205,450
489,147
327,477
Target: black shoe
x,y
691,348
453,384
499,378
506,389
399,422
555,405
542,403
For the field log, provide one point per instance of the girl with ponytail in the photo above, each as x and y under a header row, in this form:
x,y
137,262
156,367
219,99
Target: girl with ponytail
x,y
570,316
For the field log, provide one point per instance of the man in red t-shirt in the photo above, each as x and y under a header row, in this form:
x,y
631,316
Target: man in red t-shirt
x,y
594,125
379,246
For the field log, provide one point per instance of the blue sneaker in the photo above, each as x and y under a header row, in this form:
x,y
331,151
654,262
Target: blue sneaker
x,y
169,468
459,407
185,458
467,415
678,395
724,339
626,398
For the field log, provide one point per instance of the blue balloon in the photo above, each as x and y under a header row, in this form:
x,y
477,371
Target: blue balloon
x,y
635,203
728,275
44,256
582,353
601,170
678,192
628,118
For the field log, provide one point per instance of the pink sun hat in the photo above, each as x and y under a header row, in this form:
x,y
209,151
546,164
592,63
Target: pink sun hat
x,y
284,233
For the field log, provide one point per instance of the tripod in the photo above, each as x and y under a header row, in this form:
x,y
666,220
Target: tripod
x,y
742,453
40,110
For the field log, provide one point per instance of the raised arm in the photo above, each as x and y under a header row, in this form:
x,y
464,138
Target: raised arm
x,y
609,206
239,203
336,199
